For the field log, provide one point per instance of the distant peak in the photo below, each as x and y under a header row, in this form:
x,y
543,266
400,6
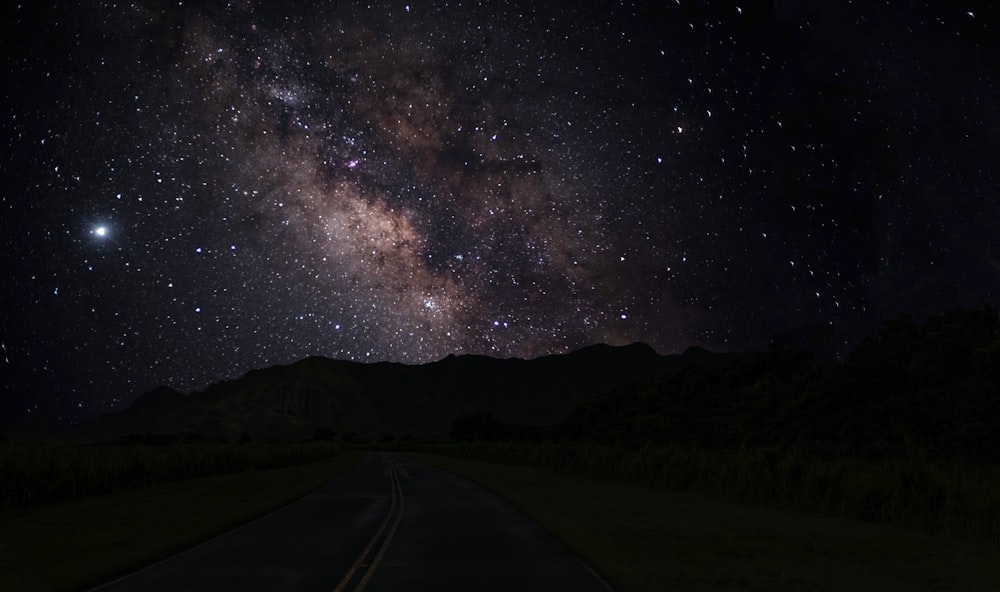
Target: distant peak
x,y
696,351
162,391
640,346
158,396
634,348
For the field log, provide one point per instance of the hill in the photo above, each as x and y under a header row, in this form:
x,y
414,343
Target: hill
x,y
320,397
908,389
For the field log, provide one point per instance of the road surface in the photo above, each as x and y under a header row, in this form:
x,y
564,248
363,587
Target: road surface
x,y
387,523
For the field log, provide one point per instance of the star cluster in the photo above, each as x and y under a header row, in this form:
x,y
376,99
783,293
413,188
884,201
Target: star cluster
x,y
195,189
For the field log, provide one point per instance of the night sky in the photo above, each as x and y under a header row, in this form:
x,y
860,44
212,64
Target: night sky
x,y
194,189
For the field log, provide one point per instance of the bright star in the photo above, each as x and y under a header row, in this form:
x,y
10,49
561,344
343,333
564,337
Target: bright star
x,y
101,231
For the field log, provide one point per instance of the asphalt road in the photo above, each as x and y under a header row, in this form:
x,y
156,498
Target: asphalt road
x,y
387,523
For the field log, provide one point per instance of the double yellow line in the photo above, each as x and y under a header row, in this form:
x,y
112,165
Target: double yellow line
x,y
367,563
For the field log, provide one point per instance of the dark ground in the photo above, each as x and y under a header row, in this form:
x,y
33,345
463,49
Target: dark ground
x,y
453,535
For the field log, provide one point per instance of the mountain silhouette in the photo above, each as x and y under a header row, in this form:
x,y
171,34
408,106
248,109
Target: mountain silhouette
x,y
320,396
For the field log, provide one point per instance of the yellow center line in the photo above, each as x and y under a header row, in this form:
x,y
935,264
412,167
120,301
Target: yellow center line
x,y
395,508
388,537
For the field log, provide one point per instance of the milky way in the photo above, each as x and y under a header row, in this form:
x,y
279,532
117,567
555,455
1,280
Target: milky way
x,y
197,189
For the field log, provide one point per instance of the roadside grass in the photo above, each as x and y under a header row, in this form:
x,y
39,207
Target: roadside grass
x,y
82,543
639,538
48,473
961,500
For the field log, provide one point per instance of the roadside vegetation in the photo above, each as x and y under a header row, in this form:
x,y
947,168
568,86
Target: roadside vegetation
x,y
902,432
32,474
961,501
78,544
643,539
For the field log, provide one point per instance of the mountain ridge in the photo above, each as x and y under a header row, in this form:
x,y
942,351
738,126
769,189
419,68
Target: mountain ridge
x,y
322,396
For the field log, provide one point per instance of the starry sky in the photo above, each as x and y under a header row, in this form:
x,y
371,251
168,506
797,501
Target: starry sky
x,y
194,189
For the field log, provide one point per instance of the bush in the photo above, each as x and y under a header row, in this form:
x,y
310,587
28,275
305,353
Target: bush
x,y
915,493
44,474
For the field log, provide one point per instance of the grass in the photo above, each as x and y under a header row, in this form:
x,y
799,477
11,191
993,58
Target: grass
x,y
959,500
82,543
40,474
639,538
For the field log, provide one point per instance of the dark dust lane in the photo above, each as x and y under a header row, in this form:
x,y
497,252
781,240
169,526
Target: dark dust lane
x,y
454,535
307,545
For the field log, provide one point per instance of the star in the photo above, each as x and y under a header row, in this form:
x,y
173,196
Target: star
x,y
408,196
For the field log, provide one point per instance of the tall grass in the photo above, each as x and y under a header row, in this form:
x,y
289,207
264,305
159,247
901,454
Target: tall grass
x,y
959,500
39,474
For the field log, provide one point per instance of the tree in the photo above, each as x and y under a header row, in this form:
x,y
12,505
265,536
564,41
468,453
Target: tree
x,y
477,427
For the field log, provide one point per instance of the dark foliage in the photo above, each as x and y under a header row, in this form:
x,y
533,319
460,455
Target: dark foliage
x,y
324,435
355,439
45,474
908,389
479,427
930,390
